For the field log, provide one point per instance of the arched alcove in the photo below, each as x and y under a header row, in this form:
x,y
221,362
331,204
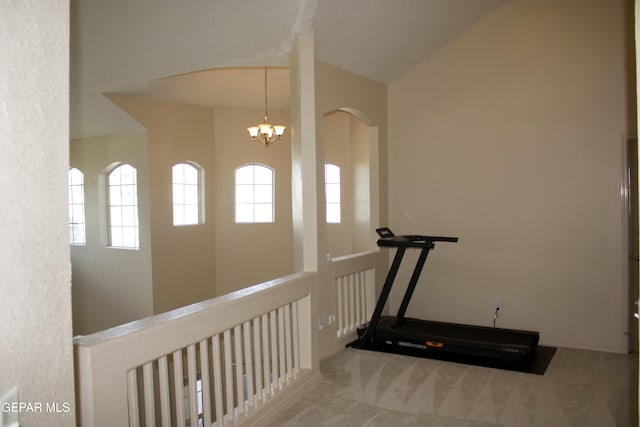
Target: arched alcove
x,y
350,142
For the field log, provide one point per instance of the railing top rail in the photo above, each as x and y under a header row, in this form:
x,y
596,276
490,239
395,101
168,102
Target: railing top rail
x,y
160,320
355,263
357,255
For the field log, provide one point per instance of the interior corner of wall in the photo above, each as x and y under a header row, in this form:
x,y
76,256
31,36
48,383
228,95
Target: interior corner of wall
x,y
303,22
137,105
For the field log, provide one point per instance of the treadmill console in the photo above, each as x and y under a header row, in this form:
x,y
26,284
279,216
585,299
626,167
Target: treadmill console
x,y
385,233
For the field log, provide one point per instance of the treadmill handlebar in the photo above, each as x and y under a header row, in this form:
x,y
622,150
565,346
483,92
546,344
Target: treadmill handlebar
x,y
388,239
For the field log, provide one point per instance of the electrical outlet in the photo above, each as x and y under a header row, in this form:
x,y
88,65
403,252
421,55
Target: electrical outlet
x,y
324,320
498,304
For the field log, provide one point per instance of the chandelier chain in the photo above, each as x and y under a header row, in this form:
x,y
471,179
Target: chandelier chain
x,y
266,133
265,92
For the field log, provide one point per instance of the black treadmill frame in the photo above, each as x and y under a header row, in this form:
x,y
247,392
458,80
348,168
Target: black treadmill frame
x,y
502,346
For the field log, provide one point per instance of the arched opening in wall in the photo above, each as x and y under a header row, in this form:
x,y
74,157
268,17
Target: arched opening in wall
x,y
351,183
193,249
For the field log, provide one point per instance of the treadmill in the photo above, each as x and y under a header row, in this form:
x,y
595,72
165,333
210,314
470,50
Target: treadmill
x,y
481,345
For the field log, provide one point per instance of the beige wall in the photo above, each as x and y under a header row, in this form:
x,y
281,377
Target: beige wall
x,y
194,263
37,351
183,257
366,101
110,286
247,254
361,173
510,137
177,266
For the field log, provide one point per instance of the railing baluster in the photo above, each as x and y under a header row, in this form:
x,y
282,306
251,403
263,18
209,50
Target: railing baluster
x,y
149,398
345,290
257,331
265,357
346,305
358,297
217,381
364,317
359,300
248,363
205,382
178,380
237,339
228,374
340,304
281,354
165,397
287,342
132,397
352,310
296,341
274,353
193,379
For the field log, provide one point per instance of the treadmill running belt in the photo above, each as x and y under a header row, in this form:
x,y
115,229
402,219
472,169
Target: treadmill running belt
x,y
536,361
453,331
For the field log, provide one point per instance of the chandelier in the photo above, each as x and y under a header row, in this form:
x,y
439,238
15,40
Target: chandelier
x,y
266,133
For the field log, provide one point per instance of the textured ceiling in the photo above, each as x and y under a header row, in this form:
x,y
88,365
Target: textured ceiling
x,y
137,45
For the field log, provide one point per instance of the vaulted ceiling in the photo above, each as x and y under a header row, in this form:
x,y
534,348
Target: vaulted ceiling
x,y
160,47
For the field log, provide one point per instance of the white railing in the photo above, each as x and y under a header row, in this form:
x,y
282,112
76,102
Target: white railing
x,y
355,290
215,361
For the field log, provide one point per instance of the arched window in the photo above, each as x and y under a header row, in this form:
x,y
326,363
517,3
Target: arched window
x,y
123,207
187,194
77,234
332,192
254,194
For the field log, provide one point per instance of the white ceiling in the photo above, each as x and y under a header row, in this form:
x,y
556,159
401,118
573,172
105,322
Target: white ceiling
x,y
382,39
138,45
230,87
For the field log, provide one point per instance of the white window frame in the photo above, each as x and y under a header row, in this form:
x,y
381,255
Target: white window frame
x,y
187,194
332,188
122,208
77,220
254,194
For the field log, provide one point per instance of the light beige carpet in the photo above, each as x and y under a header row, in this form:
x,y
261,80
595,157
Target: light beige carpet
x,y
363,388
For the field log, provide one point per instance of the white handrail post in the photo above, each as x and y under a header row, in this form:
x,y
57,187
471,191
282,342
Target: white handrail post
x,y
102,396
305,328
